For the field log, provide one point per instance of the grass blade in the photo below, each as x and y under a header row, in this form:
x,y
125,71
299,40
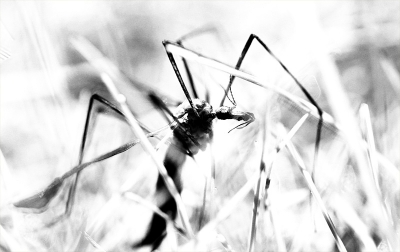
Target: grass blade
x,y
302,104
317,196
227,210
280,242
93,242
259,188
150,150
391,72
343,112
366,127
41,200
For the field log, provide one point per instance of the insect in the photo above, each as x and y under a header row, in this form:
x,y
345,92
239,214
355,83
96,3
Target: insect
x,y
192,131
177,48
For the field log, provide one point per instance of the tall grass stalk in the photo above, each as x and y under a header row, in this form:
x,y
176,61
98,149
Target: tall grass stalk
x,y
149,149
317,196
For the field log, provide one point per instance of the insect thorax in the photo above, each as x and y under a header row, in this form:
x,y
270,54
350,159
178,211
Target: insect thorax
x,y
193,127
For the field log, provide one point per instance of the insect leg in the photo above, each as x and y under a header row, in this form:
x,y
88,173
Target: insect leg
x,y
41,200
195,33
94,98
189,74
178,75
303,89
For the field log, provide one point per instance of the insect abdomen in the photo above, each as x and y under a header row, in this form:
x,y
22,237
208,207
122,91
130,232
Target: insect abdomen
x,y
173,162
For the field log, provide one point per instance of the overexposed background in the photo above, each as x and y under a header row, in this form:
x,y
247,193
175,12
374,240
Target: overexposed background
x,y
46,84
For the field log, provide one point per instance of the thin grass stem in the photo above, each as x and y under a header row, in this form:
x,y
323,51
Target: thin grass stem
x,y
259,188
196,57
150,150
229,207
317,196
280,242
366,127
93,242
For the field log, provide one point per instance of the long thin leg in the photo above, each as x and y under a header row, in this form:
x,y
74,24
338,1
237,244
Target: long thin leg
x,y
89,118
40,200
178,75
189,74
194,33
303,89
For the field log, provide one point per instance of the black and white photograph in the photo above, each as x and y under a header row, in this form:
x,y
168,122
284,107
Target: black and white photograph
x,y
199,125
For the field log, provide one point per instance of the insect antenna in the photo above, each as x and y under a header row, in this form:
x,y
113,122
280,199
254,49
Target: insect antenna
x,y
240,126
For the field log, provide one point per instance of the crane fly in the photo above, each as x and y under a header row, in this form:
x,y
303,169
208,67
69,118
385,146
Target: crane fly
x,y
192,132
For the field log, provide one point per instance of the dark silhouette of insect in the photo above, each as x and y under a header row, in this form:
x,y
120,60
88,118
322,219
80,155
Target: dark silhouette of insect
x,y
195,131
192,131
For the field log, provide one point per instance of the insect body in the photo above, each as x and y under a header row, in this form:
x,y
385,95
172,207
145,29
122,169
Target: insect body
x,y
191,133
200,127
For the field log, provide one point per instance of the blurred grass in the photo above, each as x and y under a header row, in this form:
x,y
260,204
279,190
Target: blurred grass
x,y
44,97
